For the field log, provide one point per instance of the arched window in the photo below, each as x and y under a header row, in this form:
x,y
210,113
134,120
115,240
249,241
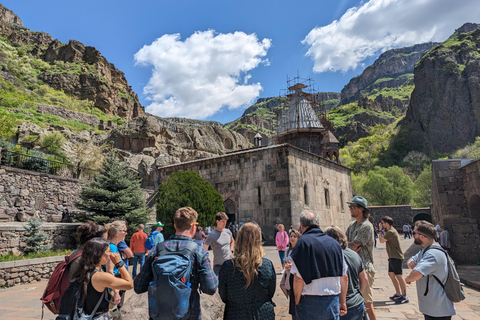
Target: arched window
x,y
259,196
342,205
305,194
228,144
327,198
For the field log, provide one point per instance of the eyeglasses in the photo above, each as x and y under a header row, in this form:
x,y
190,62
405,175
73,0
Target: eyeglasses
x,y
194,223
124,231
352,207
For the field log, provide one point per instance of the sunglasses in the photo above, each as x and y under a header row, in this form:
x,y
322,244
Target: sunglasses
x,y
420,234
353,207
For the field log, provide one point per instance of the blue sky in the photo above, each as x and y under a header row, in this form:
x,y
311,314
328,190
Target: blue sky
x,y
212,59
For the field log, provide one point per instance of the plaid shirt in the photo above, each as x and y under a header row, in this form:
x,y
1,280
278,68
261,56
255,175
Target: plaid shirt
x,y
202,273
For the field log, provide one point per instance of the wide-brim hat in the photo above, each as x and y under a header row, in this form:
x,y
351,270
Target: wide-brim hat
x,y
159,224
361,201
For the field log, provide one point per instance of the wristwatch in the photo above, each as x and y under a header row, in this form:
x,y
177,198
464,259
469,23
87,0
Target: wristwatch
x,y
120,264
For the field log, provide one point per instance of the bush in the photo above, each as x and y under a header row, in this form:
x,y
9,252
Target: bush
x,y
7,158
187,189
36,163
34,242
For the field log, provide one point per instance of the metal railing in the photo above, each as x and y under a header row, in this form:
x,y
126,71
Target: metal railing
x,y
38,163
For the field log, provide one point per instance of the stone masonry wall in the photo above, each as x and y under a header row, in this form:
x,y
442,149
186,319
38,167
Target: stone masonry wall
x,y
321,186
60,235
401,214
91,120
266,185
454,182
25,194
27,271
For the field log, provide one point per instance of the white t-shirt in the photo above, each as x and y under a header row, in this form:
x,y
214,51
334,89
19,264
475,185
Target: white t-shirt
x,y
321,287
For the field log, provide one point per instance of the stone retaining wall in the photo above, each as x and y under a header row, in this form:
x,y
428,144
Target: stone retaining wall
x,y
27,271
25,194
60,236
68,114
401,214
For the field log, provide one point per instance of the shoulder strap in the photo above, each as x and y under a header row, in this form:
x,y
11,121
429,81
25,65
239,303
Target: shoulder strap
x,y
428,276
70,258
188,250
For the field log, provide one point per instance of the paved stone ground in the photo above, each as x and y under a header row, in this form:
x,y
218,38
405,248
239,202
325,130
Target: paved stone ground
x,y
22,302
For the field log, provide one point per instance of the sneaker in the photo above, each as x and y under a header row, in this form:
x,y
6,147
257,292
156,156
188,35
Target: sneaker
x,y
402,299
395,296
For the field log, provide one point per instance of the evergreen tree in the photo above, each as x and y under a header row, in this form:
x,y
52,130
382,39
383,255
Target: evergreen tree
x,y
187,189
35,239
114,194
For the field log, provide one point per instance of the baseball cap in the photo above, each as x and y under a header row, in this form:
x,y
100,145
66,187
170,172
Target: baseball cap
x,y
159,224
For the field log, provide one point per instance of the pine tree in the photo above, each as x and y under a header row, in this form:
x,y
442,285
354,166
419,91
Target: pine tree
x,y
187,189
114,194
35,239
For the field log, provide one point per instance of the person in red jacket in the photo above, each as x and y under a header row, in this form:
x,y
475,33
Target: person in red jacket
x,y
137,245
281,241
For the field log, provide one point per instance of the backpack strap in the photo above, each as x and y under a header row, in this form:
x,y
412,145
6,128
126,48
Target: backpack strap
x,y
428,276
69,259
187,250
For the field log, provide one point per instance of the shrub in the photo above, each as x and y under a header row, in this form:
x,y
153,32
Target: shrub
x,y
34,242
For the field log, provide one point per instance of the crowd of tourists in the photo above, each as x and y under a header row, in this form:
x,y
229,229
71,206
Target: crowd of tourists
x,y
325,275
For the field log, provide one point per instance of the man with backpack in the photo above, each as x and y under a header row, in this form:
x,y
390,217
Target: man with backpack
x,y
155,237
176,271
430,268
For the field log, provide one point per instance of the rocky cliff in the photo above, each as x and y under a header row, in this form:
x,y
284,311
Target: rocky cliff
x,y
80,70
444,112
393,68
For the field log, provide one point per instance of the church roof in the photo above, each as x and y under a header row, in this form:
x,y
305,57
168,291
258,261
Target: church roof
x,y
300,115
329,138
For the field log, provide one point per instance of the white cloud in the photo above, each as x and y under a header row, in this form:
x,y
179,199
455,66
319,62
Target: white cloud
x,y
379,25
195,78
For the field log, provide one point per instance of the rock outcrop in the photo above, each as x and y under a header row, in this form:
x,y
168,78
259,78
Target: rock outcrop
x,y
80,70
444,112
393,68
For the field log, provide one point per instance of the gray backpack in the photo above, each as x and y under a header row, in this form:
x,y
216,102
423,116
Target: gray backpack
x,y
453,287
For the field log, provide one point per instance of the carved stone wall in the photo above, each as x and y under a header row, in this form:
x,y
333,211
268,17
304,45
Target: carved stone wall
x,y
456,199
268,185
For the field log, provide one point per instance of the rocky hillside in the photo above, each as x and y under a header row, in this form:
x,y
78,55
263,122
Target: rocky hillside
x,y
444,112
393,68
80,71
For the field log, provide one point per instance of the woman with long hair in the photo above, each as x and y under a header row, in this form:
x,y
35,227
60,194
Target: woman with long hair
x,y
247,281
287,280
85,232
95,284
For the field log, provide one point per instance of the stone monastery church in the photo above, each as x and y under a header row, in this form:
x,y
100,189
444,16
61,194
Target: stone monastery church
x,y
273,184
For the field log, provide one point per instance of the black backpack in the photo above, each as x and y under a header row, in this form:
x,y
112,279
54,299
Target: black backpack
x,y
453,287
72,303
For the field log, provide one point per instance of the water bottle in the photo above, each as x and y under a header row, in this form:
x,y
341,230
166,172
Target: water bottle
x,y
152,306
182,295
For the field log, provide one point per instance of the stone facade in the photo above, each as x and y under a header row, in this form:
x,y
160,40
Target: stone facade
x,y
401,215
91,120
271,185
25,194
456,205
60,236
27,271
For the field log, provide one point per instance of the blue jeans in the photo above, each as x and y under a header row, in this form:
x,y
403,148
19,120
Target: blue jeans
x,y
138,257
355,313
282,256
318,307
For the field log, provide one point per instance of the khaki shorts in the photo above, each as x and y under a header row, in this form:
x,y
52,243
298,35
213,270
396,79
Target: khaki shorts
x,y
367,293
